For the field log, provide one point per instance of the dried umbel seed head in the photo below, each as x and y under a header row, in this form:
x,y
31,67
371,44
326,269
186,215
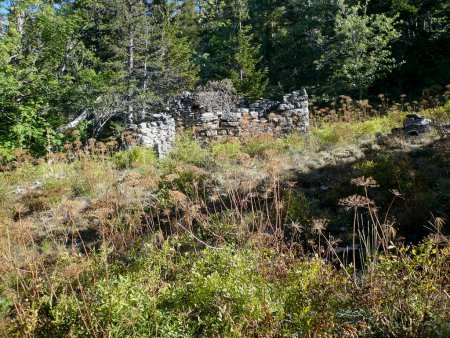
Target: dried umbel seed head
x,y
368,182
297,227
355,201
319,225
177,196
396,193
333,242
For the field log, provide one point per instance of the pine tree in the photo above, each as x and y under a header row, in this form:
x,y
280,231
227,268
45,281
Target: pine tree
x,y
150,59
247,78
228,48
188,18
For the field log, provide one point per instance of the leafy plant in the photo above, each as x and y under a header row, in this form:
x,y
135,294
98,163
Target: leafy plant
x,y
359,53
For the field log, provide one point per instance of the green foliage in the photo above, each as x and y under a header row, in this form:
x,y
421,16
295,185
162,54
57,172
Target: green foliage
x,y
4,307
225,293
292,36
134,158
326,135
297,208
225,152
189,151
440,114
260,146
308,312
247,78
411,289
359,52
45,76
387,171
372,127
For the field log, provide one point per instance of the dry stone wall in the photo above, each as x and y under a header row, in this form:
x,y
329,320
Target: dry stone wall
x,y
158,133
262,116
212,115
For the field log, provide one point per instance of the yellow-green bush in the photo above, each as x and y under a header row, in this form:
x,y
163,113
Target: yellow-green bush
x,y
225,150
189,151
325,136
135,157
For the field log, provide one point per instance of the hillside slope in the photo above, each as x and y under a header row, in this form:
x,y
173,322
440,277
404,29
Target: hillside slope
x,y
243,238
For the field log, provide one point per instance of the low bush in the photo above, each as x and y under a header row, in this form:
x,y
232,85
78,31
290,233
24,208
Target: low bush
x,y
135,157
189,151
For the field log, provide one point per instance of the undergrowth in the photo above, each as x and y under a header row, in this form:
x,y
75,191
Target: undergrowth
x,y
298,237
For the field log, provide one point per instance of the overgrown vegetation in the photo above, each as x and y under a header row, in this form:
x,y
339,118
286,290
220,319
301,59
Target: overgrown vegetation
x,y
304,236
94,67
339,232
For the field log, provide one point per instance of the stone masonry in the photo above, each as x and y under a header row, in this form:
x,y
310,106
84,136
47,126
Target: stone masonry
x,y
222,118
159,133
262,116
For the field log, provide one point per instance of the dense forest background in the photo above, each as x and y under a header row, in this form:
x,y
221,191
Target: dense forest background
x,y
121,60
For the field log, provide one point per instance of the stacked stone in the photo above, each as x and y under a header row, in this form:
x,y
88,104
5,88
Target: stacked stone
x,y
295,111
207,123
158,133
244,118
262,108
184,110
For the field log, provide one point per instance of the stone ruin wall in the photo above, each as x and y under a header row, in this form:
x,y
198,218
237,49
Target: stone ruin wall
x,y
236,118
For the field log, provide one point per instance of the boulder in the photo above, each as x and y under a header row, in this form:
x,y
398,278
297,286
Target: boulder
x,y
415,124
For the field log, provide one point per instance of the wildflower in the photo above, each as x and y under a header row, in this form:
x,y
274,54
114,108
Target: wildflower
x,y
365,182
319,225
355,201
177,196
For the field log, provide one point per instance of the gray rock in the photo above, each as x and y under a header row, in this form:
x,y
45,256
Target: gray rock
x,y
415,124
254,114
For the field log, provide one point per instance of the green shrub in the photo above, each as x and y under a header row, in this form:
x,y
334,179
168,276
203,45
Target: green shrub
x,y
405,296
135,157
6,155
369,128
5,305
225,295
189,151
325,136
259,146
225,151
295,143
439,114
311,300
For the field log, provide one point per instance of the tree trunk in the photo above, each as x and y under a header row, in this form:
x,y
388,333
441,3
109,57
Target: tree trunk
x,y
130,71
130,67
72,125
